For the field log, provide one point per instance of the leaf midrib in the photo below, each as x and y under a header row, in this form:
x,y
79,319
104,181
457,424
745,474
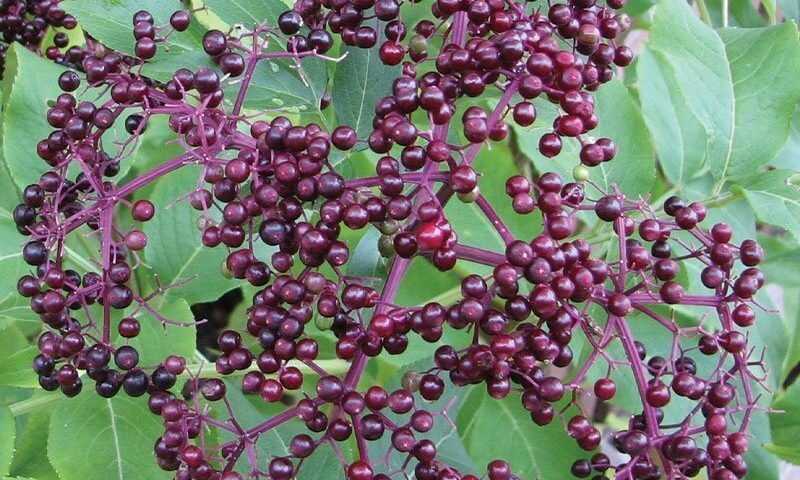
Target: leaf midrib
x,y
115,435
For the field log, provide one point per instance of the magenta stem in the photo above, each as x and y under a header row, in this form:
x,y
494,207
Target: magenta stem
x,y
479,255
604,341
106,241
655,316
407,177
143,180
496,116
396,273
639,375
494,218
273,422
696,300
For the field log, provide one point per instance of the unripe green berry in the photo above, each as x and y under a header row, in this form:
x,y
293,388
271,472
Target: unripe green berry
x,y
410,381
389,227
470,196
223,268
386,246
580,173
418,45
323,323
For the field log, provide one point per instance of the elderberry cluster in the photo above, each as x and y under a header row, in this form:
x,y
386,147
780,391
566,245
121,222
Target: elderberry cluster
x,y
272,199
27,21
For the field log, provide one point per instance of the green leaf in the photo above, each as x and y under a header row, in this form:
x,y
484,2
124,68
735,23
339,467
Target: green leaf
x,y
781,260
13,307
412,13
9,197
323,465
790,8
740,117
789,156
30,81
474,228
775,199
741,13
30,459
174,251
275,85
7,435
157,145
472,225
75,38
366,260
682,53
764,64
95,437
14,395
111,22
770,334
633,169
16,357
790,311
733,210
246,13
761,464
422,272
738,215
361,79
279,85
785,423
638,7
493,429
789,454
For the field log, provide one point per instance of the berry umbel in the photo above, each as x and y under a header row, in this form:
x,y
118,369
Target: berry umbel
x,y
270,182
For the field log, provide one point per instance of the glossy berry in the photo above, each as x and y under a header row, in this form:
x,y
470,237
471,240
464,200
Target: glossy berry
x,y
143,210
605,389
180,20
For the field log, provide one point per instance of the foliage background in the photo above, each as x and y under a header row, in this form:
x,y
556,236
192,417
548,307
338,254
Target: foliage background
x,y
709,111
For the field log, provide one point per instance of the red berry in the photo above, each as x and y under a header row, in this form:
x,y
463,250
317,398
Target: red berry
x,y
429,236
605,389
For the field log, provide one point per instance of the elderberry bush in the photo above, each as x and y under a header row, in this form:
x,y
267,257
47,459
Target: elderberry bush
x,y
550,320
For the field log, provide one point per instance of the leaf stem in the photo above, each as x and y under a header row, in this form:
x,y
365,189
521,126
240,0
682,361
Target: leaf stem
x,y
725,13
704,15
722,200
